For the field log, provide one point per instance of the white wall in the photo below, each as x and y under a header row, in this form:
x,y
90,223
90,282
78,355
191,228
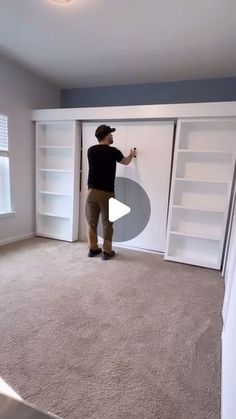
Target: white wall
x,y
20,92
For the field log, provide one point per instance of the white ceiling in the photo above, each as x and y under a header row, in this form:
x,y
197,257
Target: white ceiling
x,y
110,42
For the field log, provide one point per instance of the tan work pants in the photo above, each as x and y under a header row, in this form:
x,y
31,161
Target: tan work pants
x,y
98,202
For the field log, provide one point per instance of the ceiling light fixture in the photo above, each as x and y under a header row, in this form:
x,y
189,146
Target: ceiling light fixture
x,y
62,1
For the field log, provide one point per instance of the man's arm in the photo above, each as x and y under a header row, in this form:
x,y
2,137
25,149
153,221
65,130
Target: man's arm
x,y
128,159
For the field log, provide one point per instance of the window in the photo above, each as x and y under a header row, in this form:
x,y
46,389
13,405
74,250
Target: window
x,y
5,196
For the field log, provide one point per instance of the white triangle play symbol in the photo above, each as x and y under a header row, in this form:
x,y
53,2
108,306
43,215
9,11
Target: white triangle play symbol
x,y
117,209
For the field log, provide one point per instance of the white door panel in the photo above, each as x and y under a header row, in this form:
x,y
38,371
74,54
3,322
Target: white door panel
x,y
150,169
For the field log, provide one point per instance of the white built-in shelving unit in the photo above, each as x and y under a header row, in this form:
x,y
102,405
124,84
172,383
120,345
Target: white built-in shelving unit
x,y
57,179
201,184
202,171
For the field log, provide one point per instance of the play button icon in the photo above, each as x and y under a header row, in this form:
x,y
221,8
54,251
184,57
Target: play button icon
x,y
129,219
117,209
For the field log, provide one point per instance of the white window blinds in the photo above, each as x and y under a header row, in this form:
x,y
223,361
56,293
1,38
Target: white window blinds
x,y
3,133
5,195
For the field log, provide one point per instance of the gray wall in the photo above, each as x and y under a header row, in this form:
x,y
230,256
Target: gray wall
x,y
20,92
211,90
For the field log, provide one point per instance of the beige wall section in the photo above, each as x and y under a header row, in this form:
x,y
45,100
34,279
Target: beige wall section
x,y
20,92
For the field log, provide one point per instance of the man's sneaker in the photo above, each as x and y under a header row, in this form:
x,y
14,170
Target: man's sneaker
x,y
107,256
93,253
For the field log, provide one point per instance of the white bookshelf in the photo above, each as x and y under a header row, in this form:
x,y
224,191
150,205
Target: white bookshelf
x,y
201,184
57,179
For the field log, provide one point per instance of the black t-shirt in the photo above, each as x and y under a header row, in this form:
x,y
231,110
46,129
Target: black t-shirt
x,y
102,160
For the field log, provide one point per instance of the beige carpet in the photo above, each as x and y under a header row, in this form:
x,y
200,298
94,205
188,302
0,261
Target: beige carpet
x,y
134,337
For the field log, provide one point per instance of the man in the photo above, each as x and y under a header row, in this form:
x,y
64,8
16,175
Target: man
x,y
102,161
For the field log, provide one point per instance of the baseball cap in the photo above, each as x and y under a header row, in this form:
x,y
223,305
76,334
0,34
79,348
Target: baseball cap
x,y
102,131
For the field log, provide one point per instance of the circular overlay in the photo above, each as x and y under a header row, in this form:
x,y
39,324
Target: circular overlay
x,y
132,224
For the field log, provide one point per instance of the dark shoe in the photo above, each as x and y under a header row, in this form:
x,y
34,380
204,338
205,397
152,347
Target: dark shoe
x,y
93,253
107,256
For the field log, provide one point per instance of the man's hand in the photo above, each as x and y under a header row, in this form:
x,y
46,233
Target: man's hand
x,y
132,152
128,159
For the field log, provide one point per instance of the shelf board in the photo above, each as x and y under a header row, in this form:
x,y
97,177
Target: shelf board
x,y
54,193
193,261
202,151
194,235
220,210
55,170
63,237
55,147
219,182
49,214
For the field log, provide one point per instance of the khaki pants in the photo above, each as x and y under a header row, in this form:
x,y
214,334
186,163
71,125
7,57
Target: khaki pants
x,y
98,202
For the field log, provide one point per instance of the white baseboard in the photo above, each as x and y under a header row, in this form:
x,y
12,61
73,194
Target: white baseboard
x,y
138,249
16,239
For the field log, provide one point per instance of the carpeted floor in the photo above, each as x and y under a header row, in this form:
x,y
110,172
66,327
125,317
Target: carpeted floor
x,y
134,337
